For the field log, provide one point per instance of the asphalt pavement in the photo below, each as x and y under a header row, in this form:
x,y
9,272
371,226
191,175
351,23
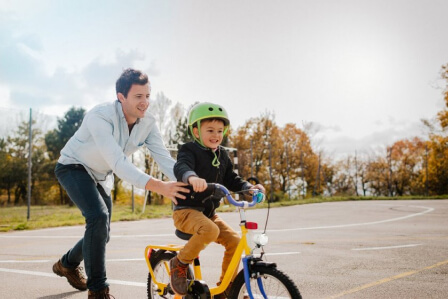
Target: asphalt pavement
x,y
355,249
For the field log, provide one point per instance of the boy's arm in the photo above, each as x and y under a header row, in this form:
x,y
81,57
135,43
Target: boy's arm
x,y
184,170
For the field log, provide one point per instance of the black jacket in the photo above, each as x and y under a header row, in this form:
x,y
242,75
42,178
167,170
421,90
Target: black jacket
x,y
193,159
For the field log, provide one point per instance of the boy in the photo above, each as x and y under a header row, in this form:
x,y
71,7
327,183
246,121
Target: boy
x,y
198,163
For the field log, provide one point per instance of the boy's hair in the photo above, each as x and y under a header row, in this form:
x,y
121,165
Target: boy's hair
x,y
128,77
195,125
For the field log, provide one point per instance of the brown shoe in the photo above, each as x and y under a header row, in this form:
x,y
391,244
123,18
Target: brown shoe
x,y
74,276
178,276
101,294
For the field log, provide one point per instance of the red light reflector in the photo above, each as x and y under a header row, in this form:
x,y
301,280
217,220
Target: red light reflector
x,y
251,225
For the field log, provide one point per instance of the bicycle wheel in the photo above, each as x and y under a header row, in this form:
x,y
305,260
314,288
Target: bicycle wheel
x,y
276,284
160,263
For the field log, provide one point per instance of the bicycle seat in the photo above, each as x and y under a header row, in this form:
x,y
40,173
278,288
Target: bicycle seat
x,y
182,235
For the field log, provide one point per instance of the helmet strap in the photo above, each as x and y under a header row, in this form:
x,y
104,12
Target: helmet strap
x,y
215,161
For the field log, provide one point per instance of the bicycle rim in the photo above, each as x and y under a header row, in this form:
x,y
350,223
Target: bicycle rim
x,y
276,285
159,264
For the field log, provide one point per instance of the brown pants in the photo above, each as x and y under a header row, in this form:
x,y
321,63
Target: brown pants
x,y
205,230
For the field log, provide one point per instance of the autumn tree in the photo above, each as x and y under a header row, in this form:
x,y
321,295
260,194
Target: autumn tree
x,y
56,139
438,165
442,116
6,160
344,182
252,141
407,158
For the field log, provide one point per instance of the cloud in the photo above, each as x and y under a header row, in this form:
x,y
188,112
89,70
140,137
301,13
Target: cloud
x,y
30,85
341,146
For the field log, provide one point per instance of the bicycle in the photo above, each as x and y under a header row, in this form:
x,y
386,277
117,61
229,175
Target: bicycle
x,y
257,279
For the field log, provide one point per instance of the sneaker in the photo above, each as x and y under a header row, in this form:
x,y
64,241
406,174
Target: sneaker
x,y
101,294
74,276
178,276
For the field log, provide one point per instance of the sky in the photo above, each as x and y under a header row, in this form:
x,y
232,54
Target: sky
x,y
364,72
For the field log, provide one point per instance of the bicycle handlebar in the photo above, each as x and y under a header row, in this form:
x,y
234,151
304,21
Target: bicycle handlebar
x,y
257,195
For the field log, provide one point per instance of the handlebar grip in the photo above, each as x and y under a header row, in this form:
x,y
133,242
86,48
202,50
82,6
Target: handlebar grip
x,y
222,191
210,187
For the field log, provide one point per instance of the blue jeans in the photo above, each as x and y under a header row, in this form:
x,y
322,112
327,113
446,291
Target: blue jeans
x,y
96,207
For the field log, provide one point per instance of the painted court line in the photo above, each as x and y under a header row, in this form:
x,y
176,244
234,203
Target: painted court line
x,y
28,261
282,253
79,236
427,210
117,260
385,280
44,274
387,247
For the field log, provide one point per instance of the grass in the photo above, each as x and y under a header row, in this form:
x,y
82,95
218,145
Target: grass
x,y
15,218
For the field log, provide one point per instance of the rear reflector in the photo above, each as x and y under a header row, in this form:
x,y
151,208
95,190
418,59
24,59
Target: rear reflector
x,y
251,225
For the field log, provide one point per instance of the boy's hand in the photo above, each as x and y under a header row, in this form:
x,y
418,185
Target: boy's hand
x,y
259,187
198,184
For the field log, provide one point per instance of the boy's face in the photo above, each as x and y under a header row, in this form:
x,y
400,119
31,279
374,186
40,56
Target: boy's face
x,y
136,103
211,133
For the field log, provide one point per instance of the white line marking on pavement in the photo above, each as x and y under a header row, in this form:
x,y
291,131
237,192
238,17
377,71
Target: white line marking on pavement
x,y
282,253
427,210
36,273
127,283
125,260
29,261
358,224
387,247
78,237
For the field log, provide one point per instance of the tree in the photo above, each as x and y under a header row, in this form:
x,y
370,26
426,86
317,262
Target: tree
x,y
253,141
6,160
442,116
18,144
438,165
407,158
56,139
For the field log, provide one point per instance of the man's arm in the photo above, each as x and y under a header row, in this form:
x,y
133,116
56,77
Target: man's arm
x,y
168,189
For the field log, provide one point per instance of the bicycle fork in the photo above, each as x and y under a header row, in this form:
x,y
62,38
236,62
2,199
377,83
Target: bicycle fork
x,y
250,268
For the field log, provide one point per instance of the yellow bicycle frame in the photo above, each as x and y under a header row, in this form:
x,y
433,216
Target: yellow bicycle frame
x,y
243,247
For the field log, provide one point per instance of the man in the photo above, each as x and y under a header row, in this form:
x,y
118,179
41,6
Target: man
x,y
108,135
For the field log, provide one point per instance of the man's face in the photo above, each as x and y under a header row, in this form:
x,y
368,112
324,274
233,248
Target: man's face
x,y
136,103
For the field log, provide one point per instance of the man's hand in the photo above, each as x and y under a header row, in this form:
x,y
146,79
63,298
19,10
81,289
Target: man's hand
x,y
168,189
197,183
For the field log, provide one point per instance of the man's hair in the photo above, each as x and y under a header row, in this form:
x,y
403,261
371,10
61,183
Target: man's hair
x,y
128,77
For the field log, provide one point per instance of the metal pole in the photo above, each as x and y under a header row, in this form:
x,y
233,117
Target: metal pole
x,y
426,169
251,161
132,158
270,174
30,137
287,172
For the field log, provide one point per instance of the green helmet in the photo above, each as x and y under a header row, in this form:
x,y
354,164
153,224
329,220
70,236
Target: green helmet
x,y
207,110
203,111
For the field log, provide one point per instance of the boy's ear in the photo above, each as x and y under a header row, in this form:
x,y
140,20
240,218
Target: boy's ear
x,y
120,97
196,132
